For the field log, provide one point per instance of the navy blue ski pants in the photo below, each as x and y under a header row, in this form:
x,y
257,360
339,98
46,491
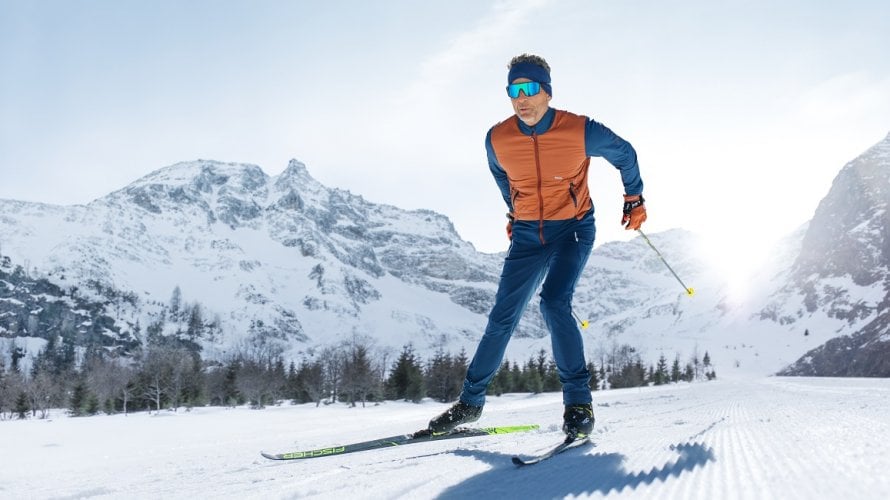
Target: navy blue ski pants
x,y
558,261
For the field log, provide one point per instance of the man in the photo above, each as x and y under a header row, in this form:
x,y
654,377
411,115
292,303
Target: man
x,y
539,159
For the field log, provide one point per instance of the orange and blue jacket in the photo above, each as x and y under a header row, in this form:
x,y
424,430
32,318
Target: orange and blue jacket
x,y
542,170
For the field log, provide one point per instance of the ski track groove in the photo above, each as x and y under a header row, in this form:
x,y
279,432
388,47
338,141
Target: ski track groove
x,y
747,439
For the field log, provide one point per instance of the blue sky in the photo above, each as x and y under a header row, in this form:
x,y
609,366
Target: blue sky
x,y
742,112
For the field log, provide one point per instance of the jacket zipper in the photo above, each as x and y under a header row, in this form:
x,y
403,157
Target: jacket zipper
x,y
540,190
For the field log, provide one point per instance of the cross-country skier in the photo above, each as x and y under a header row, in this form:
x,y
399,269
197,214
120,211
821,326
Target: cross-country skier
x,y
539,159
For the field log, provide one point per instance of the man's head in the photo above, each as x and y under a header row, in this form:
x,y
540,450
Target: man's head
x,y
528,85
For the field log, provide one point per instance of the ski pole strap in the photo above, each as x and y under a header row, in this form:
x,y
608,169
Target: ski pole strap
x,y
630,205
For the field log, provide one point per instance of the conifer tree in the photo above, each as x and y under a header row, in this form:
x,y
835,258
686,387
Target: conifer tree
x,y
503,380
78,399
518,380
594,376
551,378
359,378
675,370
534,382
440,382
21,407
230,394
406,379
661,371
176,304
91,405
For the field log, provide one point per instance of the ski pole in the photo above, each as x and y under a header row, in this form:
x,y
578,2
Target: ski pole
x,y
584,322
689,291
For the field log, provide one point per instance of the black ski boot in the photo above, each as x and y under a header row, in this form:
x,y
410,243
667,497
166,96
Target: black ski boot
x,y
460,413
578,421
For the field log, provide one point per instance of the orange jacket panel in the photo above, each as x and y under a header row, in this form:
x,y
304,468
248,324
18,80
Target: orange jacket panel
x,y
547,172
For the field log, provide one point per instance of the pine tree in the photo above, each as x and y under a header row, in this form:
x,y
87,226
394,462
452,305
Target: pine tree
x,y
311,381
551,378
176,304
534,382
406,379
195,327
91,406
359,378
292,387
78,399
21,407
661,371
594,376
675,370
519,383
459,366
231,397
439,380
503,380
542,363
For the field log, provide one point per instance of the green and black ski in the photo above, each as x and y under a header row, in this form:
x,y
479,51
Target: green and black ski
x,y
422,436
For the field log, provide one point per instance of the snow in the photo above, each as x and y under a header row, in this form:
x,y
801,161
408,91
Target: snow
x,y
745,438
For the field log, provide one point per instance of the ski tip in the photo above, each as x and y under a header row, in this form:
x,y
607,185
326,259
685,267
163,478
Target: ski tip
x,y
270,456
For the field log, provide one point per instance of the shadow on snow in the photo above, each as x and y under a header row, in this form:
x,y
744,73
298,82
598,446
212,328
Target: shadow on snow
x,y
570,474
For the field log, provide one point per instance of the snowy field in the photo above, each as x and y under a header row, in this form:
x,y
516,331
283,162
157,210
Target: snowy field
x,y
773,437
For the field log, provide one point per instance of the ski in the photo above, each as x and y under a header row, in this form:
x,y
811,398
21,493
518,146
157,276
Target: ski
x,y
568,444
422,436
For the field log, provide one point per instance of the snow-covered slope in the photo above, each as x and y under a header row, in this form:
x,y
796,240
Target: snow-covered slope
x,y
760,438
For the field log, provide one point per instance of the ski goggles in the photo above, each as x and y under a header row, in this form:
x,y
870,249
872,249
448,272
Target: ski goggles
x,y
528,88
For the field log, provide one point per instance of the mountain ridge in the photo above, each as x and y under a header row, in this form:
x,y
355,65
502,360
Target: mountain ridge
x,y
288,260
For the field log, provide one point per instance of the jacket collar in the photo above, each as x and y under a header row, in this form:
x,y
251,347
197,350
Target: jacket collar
x,y
539,128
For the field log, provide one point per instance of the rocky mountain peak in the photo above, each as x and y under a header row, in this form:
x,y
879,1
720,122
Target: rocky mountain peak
x,y
298,187
850,231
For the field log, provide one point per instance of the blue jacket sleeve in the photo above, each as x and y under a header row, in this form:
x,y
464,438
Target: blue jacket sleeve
x,y
500,176
602,142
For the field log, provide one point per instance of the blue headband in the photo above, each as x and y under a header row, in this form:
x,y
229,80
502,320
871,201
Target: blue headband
x,y
533,72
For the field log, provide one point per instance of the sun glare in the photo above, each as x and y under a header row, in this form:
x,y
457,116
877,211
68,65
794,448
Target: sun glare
x,y
734,263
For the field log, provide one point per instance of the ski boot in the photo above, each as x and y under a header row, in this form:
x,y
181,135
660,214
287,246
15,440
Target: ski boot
x,y
578,421
460,413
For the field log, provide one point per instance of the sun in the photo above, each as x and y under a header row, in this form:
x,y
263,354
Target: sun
x,y
734,261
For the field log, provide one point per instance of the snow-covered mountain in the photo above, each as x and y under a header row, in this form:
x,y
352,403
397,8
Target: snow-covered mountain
x,y
841,278
289,259
285,259
270,257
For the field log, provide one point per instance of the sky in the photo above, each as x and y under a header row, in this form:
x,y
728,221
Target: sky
x,y
741,112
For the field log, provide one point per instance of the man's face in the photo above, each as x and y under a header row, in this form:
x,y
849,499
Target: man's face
x,y
530,109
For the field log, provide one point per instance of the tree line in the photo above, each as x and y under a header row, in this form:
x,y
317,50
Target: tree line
x,y
168,373
161,368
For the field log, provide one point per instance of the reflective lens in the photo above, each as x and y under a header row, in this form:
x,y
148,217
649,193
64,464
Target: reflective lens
x,y
527,88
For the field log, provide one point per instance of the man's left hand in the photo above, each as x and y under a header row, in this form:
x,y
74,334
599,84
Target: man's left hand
x,y
634,211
